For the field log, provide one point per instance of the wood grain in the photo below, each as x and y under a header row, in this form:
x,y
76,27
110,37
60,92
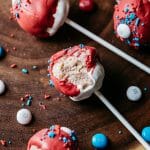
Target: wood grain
x,y
86,117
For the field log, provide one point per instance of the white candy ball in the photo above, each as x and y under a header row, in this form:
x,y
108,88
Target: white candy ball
x,y
123,31
24,116
2,87
134,93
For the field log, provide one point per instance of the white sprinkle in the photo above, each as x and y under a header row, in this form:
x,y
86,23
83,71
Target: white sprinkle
x,y
134,93
123,31
24,116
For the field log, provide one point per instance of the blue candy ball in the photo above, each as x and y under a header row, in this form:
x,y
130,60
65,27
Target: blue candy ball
x,y
2,52
99,141
146,133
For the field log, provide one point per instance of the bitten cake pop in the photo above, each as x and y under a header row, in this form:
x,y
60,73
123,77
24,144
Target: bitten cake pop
x,y
40,18
76,72
54,138
132,22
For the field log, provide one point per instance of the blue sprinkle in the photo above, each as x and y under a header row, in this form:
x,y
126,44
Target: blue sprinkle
x,y
145,89
48,75
29,102
52,127
136,39
49,61
25,71
73,138
30,97
128,41
2,52
64,139
48,67
82,45
126,9
137,44
51,83
132,16
17,15
51,134
137,21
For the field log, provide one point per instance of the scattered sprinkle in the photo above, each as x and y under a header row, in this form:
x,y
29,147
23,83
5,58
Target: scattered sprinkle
x,y
47,96
13,66
25,71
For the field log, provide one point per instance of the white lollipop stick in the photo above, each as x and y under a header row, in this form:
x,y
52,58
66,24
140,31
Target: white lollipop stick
x,y
109,46
122,119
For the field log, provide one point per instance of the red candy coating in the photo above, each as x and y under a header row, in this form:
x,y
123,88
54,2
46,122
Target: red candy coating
x,y
53,139
35,16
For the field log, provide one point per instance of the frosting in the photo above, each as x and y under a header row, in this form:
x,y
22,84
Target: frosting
x,y
40,18
135,15
54,138
76,73
60,16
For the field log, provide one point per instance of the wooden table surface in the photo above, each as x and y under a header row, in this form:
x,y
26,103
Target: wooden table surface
x,y
87,117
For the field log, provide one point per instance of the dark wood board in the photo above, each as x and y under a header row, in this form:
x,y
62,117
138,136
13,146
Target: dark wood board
x,y
86,117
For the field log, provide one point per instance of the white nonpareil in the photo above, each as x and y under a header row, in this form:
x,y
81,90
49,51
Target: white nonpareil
x,y
123,31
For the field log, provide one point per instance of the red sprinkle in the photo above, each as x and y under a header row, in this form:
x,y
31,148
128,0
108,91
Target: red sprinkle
x,y
12,35
13,66
14,48
47,96
3,142
22,99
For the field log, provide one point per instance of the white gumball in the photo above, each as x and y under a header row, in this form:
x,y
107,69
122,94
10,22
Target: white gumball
x,y
123,31
24,116
134,93
2,87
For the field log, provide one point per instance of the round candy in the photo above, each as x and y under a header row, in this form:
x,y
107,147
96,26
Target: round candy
x,y
146,133
86,5
134,93
24,116
2,87
99,141
2,52
123,31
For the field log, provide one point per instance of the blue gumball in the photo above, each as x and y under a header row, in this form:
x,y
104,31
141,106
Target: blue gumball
x,y
146,133
99,141
2,52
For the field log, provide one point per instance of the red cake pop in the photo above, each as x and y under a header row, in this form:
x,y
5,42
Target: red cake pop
x,y
41,18
132,21
54,138
76,72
